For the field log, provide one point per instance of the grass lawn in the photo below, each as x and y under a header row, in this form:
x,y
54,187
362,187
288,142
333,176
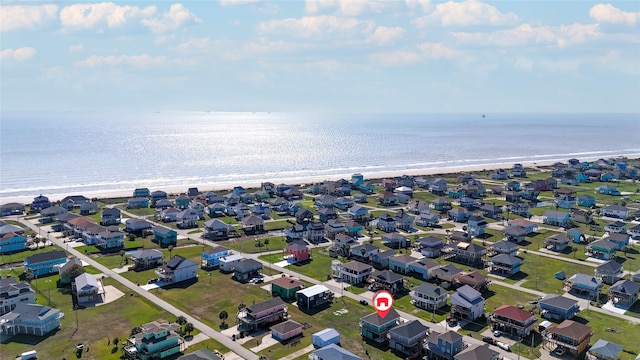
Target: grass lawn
x,y
625,334
248,245
276,224
540,272
18,257
318,268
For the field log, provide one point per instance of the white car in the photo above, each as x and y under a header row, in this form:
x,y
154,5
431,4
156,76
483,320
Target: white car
x,y
497,333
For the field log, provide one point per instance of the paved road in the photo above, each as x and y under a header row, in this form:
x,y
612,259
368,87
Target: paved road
x,y
224,340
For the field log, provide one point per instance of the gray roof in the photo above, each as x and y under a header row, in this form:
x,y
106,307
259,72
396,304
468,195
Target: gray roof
x,y
403,259
71,262
32,311
385,254
468,292
609,266
558,301
505,259
177,261
335,352
146,253
430,290
477,352
163,230
86,281
268,304
606,349
202,354
450,336
46,256
285,327
555,214
616,208
375,319
585,279
367,248
215,250
247,265
410,329
625,286
504,245
356,266
389,276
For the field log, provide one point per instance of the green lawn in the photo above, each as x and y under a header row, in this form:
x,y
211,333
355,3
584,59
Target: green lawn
x,y
248,245
625,333
318,268
18,257
540,272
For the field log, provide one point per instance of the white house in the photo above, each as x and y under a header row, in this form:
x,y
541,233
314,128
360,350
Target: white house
x,y
467,303
177,269
87,288
616,211
228,262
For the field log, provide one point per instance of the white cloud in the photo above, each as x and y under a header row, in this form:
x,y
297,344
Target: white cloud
x,y
562,35
19,54
195,44
425,51
437,51
87,16
424,5
317,26
607,13
384,35
141,61
466,13
177,16
26,16
347,7
76,48
236,2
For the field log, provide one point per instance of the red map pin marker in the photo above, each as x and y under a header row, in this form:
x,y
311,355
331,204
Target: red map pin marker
x,y
382,302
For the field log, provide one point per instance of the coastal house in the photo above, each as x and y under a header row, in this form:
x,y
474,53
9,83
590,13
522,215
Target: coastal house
x,y
87,288
325,337
252,224
285,331
634,231
134,225
164,236
387,223
177,269
141,192
417,206
423,268
12,242
146,259
444,345
216,229
88,208
387,198
401,263
407,338
428,296
70,270
375,328
334,227
505,265
357,213
467,303
211,257
30,319
315,232
39,203
228,262
623,293
355,272
441,204
182,202
313,296
581,216
298,250
570,335
446,274
557,308
459,214
617,211
332,352
608,190
13,293
262,314
476,225
427,219
157,340
296,232
616,227
602,249
468,253
45,263
394,240
138,203
588,286
363,252
576,235
438,186
609,272
110,240
73,201
603,350
491,211
216,210
557,218
187,219
520,208
353,229
325,201
512,320
477,352
619,239
246,269
557,242
285,287
110,216
502,247
157,196
474,279
586,200
403,220
387,280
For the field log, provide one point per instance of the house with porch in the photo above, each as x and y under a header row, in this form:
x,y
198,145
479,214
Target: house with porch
x,y
602,249
334,227
624,293
355,272
13,293
557,242
286,287
428,296
467,303
513,321
87,288
469,253
446,274
459,214
394,240
387,198
363,252
211,257
387,280
570,335
557,308
144,259
315,232
376,329
502,247
586,200
262,314
401,263
608,190
438,186
216,229
227,263
138,203
441,204
616,211
358,213
444,346
353,229
45,263
157,340
246,269
505,265
476,225
407,338
557,218
431,246
313,296
39,203
298,250
634,231
387,223
332,352
164,236
474,279
491,211
29,319
585,285
427,219
619,239
110,216
12,242
609,272
380,260
616,227
403,220
177,269
286,331
252,224
603,350
135,225
423,268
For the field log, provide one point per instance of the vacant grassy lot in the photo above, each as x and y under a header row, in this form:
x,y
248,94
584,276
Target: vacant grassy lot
x,y
248,244
626,333
540,272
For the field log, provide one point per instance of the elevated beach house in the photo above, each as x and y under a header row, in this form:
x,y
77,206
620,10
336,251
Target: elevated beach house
x,y
177,269
262,314
157,340
45,263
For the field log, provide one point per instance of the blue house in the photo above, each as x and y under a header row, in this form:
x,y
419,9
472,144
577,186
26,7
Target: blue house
x,y
158,195
182,202
476,225
138,203
620,239
606,177
583,284
576,235
11,242
357,179
325,337
557,218
586,200
441,204
216,210
558,307
367,188
444,346
423,268
352,228
608,190
39,203
211,257
566,201
332,352
73,201
164,236
376,328
459,214
45,263
141,192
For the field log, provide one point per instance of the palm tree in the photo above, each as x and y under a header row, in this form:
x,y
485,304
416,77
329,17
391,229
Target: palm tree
x,y
223,315
170,248
181,320
188,328
122,254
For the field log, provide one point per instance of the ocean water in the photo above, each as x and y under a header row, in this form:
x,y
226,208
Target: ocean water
x,y
63,153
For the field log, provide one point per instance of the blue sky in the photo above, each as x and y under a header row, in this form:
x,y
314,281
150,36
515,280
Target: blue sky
x,y
321,55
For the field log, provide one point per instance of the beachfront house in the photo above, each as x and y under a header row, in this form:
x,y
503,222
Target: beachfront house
x,y
375,328
428,296
45,263
13,293
157,340
211,257
467,303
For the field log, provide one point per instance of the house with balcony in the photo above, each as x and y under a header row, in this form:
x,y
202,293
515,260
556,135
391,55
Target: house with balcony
x,y
228,262
315,232
295,232
428,297
570,335
608,190
380,260
467,303
387,223
616,211
177,269
446,274
13,293
216,229
363,252
30,319
586,200
45,263
584,285
478,352
529,227
164,236
557,242
216,210
187,219
262,314
603,350
459,214
469,253
427,219
401,263
376,329
298,250
634,231
327,214
408,338
246,269
505,265
474,279
387,280
616,227
602,249
512,320
138,226
502,247
334,227
558,308
441,204
624,293
431,246
557,218
619,239
609,272
423,268
66,277
352,228
394,240
138,203
144,259
157,340
358,213
12,242
313,296
355,272
211,257
39,203
87,288
286,287
110,216
476,225
444,346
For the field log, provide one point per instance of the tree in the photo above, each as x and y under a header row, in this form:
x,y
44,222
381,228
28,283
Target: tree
x,y
574,250
266,241
170,248
188,328
122,254
181,320
131,237
73,272
136,330
116,340
27,276
241,306
223,315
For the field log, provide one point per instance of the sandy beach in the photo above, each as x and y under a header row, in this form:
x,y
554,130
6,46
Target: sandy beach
x,y
301,182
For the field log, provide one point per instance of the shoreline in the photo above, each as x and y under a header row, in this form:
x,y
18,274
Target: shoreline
x,y
297,181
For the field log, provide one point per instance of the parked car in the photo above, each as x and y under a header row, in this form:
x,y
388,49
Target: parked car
x,y
497,333
152,281
503,346
364,302
488,340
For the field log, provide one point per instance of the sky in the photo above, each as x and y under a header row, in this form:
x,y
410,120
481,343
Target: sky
x,y
387,56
